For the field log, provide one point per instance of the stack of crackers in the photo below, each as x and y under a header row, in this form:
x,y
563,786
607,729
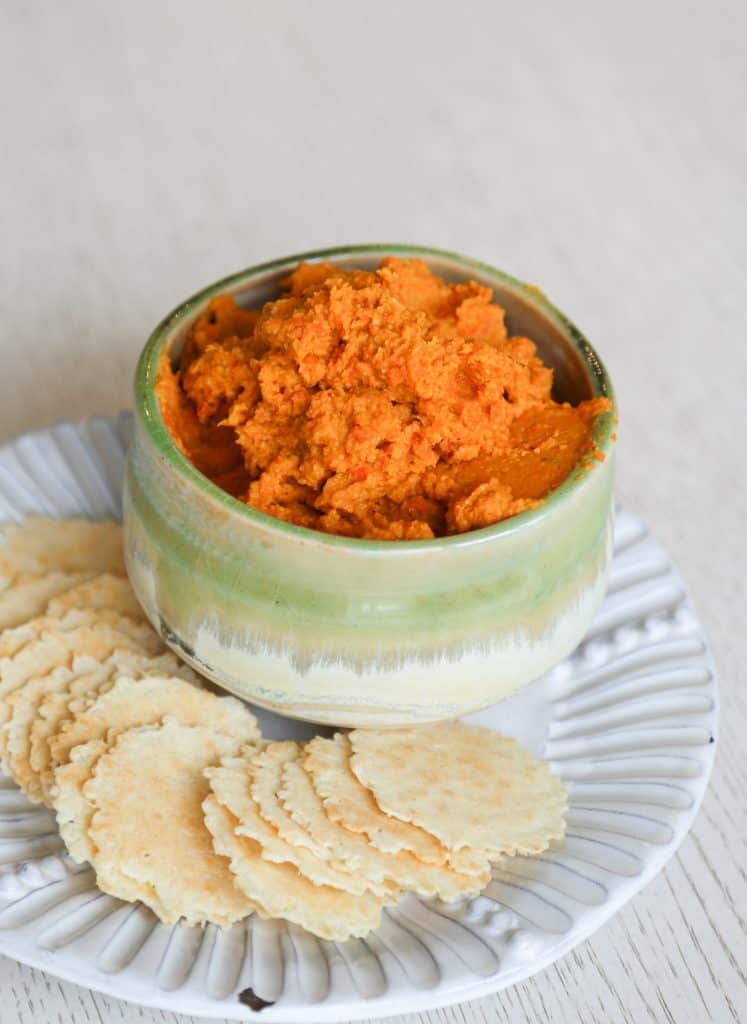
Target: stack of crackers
x,y
172,796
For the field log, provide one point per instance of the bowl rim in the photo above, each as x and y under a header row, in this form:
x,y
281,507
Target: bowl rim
x,y
148,411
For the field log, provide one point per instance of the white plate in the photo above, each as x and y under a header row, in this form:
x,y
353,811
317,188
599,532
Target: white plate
x,y
628,722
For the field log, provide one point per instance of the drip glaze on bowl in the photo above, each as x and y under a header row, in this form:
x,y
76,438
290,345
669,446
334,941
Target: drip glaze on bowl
x,y
363,632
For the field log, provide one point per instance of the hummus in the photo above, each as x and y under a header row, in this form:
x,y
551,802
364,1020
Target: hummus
x,y
385,404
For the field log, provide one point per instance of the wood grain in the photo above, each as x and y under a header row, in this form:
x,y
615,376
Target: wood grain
x,y
596,149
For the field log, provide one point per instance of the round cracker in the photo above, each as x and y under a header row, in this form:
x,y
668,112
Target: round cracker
x,y
27,595
15,639
148,829
102,634
133,702
72,808
485,791
89,678
353,853
40,545
129,704
266,783
105,590
231,785
351,805
23,710
52,710
12,641
23,705
278,890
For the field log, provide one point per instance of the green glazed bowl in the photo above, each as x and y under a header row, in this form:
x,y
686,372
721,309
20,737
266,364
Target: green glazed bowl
x,y
357,632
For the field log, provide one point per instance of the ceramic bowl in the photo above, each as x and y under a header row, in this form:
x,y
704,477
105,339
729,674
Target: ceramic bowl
x,y
356,632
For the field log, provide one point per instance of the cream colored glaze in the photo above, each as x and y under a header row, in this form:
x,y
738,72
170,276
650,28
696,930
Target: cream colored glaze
x,y
487,673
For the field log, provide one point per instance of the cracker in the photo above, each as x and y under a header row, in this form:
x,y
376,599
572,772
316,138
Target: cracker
x,y
103,591
135,702
23,705
231,784
56,646
266,782
278,890
106,595
40,545
56,708
351,805
148,829
52,709
27,595
12,640
73,809
130,704
353,853
467,786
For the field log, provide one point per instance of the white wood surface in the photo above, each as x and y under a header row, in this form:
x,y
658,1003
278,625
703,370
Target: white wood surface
x,y
599,150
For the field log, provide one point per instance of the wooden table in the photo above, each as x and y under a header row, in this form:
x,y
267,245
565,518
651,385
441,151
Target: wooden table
x,y
599,150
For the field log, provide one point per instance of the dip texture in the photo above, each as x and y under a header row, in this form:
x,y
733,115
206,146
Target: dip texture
x,y
385,404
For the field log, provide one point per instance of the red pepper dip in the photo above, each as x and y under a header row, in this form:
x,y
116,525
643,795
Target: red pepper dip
x,y
385,404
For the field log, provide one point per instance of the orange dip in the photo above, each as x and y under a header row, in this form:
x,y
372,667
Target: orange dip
x,y
385,404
